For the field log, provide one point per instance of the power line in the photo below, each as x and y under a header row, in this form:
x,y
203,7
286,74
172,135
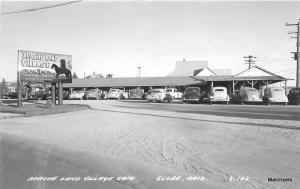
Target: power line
x,y
250,60
40,8
297,53
139,68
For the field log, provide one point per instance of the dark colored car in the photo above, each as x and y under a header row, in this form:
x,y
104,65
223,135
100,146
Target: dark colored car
x,y
294,96
136,94
93,94
192,94
10,95
38,95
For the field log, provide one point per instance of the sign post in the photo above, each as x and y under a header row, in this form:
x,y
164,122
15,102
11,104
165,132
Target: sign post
x,y
53,98
60,93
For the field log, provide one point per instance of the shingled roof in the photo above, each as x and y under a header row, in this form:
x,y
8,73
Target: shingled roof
x,y
135,81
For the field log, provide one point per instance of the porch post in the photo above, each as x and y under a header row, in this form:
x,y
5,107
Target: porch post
x,y
285,86
232,87
53,86
60,93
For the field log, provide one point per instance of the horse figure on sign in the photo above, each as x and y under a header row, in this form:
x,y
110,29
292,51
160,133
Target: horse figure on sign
x,y
62,69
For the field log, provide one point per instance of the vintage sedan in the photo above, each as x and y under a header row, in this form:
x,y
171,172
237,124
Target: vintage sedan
x,y
93,94
136,94
39,95
77,95
249,95
275,95
115,94
157,95
173,93
219,94
192,94
10,95
294,96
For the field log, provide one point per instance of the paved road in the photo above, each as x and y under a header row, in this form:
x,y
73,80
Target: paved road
x,y
248,111
176,136
278,112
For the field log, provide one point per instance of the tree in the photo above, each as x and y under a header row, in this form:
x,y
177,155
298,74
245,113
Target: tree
x,y
3,87
74,76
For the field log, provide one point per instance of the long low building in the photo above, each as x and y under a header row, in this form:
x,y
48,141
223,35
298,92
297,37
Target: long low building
x,y
255,77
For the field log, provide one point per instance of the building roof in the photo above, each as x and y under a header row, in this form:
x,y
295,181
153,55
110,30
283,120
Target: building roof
x,y
188,68
135,81
163,81
261,71
234,78
222,71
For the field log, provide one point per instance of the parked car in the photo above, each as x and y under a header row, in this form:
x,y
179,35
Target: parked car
x,y
249,95
38,95
173,93
294,96
219,94
192,94
157,95
136,94
10,95
93,94
77,95
115,94
66,95
275,95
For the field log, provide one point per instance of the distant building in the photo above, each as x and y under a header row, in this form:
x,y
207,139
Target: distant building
x,y
95,76
196,68
12,86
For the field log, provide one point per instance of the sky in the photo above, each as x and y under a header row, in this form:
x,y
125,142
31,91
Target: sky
x,y
118,36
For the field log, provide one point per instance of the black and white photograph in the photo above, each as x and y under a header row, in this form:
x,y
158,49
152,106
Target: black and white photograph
x,y
150,94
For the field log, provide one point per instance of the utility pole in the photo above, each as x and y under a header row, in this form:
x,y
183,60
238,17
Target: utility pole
x,y
250,60
296,54
139,71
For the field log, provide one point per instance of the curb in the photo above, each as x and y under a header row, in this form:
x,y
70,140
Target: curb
x,y
44,112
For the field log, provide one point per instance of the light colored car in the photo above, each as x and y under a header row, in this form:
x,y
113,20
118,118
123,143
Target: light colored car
x,y
248,94
275,95
77,95
157,95
115,94
93,94
219,94
173,93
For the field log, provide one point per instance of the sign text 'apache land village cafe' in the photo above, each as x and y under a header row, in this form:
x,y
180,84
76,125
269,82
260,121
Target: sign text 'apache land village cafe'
x,y
44,67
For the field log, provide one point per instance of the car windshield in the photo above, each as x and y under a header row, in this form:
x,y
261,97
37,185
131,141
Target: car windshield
x,y
219,90
40,92
192,90
252,90
156,91
296,91
113,90
92,90
277,90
